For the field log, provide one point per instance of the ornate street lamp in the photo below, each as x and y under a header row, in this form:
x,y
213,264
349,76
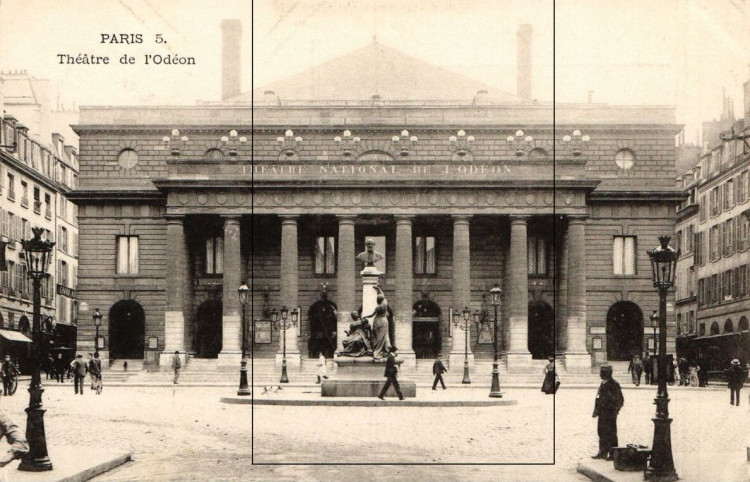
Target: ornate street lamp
x,y
461,143
517,142
347,143
37,256
175,143
655,324
284,323
97,323
244,389
661,465
495,392
462,322
232,142
404,143
289,143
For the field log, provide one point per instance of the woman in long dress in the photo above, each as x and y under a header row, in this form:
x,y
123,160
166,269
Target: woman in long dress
x,y
381,342
551,382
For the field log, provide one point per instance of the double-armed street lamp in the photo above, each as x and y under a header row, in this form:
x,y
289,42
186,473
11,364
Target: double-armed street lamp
x,y
463,323
37,255
661,464
284,322
244,389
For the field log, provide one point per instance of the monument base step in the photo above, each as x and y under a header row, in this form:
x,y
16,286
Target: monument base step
x,y
365,388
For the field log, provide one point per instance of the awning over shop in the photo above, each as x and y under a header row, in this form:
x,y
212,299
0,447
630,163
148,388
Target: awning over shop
x,y
14,336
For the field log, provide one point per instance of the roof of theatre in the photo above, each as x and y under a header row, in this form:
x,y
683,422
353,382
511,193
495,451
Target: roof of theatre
x,y
378,70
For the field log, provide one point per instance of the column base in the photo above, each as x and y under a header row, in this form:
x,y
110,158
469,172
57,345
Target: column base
x,y
410,359
577,362
519,363
165,360
456,361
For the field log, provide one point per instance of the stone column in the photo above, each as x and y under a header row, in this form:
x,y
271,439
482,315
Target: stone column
x,y
289,287
577,357
231,349
404,290
518,357
345,277
461,288
561,308
177,276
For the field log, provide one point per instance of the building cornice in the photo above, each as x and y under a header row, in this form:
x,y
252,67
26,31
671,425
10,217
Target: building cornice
x,y
638,196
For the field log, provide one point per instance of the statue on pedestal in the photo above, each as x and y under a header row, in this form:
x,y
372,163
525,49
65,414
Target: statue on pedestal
x,y
369,256
381,341
357,342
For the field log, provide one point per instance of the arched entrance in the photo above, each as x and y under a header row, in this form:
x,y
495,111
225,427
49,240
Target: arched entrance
x,y
322,316
541,335
624,331
127,329
426,329
209,331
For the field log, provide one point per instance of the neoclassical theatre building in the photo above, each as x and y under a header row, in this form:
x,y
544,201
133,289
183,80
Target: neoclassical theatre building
x,y
461,186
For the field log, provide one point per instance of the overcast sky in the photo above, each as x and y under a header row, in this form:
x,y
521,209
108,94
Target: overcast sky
x,y
678,52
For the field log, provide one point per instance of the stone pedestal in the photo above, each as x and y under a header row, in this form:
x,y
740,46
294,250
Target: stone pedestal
x,y
363,377
577,362
370,277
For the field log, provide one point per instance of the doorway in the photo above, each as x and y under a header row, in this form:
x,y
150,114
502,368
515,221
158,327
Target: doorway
x,y
541,333
209,330
127,329
624,331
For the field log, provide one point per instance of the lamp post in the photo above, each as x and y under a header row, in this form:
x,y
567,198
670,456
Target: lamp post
x,y
495,392
244,389
97,323
284,323
655,324
37,254
462,322
661,465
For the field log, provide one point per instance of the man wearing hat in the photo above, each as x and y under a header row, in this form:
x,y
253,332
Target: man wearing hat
x,y
9,370
438,369
735,380
608,403
391,372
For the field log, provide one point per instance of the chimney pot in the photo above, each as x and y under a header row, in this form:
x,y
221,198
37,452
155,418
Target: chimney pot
x,y
523,64
231,58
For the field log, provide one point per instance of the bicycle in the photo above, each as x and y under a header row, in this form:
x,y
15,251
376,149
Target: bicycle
x,y
13,385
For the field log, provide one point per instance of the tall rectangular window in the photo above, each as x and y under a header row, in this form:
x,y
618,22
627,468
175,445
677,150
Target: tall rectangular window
x,y
215,255
623,254
537,255
691,321
424,255
24,194
63,239
325,255
703,209
127,254
47,206
11,187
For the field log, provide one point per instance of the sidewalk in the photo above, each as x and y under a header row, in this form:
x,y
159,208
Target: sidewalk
x,y
70,464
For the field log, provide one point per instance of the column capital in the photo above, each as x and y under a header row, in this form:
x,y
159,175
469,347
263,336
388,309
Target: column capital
x,y
229,218
289,218
577,218
519,218
461,218
174,219
404,218
346,218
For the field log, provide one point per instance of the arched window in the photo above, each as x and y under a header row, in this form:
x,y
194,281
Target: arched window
x,y
537,153
728,326
625,159
743,326
375,156
714,328
214,153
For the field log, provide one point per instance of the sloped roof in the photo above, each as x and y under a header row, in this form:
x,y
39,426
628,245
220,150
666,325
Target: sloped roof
x,y
377,69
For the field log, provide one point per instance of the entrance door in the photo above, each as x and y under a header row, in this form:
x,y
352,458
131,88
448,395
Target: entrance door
x,y
127,329
209,332
541,333
426,329
624,331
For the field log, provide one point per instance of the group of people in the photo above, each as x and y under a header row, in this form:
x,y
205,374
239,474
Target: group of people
x,y
81,368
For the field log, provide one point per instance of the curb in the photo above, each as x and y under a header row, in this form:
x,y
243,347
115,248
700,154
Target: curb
x,y
367,402
90,473
591,473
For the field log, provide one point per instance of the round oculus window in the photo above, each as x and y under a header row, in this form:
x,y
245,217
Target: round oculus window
x,y
625,159
128,158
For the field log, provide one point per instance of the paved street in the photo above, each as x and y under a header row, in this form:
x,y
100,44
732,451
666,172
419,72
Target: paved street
x,y
184,433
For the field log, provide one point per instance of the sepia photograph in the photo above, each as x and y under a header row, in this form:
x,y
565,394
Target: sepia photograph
x,y
385,240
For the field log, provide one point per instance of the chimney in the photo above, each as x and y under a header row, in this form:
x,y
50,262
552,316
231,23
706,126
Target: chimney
x,y
523,64
269,97
231,31
482,97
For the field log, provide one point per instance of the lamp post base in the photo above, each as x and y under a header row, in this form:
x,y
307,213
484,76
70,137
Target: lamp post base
x,y
37,459
495,388
284,377
466,379
661,465
244,388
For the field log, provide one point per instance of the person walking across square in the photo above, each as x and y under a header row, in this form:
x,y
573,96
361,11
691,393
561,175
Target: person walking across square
x,y
438,369
735,381
647,368
80,368
608,403
391,374
322,369
95,372
635,368
9,371
176,365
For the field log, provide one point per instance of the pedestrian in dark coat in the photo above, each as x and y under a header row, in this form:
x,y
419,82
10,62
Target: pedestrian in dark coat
x,y
635,368
438,369
608,403
391,374
735,380
9,371
647,368
80,368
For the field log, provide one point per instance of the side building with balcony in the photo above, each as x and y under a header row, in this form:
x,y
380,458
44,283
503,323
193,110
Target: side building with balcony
x,y
35,179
